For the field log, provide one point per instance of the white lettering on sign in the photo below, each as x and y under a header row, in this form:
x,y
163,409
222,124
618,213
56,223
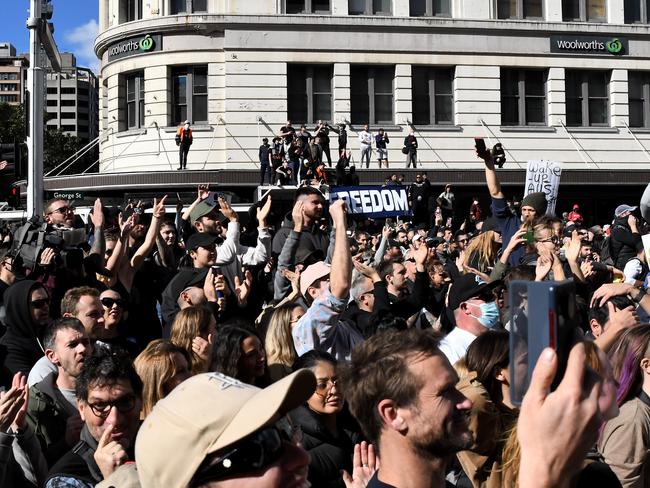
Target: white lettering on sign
x,y
373,200
544,176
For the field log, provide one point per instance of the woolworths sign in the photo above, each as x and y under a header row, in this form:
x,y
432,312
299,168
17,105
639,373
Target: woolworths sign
x,y
135,45
616,46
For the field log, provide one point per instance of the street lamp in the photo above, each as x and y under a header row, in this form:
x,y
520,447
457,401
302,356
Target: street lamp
x,y
40,36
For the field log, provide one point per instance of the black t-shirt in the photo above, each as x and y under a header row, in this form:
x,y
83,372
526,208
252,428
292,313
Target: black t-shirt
x,y
375,483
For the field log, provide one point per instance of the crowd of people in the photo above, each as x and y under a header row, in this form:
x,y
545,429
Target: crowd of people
x,y
196,349
298,157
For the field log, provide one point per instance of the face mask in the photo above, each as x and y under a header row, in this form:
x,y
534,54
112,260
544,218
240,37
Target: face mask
x,y
489,314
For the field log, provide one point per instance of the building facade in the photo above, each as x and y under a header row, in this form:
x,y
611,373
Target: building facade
x,y
564,80
72,99
13,75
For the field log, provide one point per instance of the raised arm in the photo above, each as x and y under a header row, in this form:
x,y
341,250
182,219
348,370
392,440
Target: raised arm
x,y
150,239
341,274
494,186
97,217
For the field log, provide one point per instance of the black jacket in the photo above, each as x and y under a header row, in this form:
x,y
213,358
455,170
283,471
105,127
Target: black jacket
x,y
47,413
624,245
311,238
19,347
329,453
79,462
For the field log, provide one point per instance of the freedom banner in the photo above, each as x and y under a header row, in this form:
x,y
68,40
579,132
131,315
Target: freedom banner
x,y
544,176
373,201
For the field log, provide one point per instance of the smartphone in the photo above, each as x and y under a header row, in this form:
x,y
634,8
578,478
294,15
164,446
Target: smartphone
x,y
479,143
216,270
542,314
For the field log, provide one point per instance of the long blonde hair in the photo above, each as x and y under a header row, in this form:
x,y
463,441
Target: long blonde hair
x,y
156,366
190,323
485,247
279,342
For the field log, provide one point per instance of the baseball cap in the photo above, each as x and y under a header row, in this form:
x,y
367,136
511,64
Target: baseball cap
x,y
621,209
313,273
200,239
393,243
468,286
491,223
201,209
416,237
205,414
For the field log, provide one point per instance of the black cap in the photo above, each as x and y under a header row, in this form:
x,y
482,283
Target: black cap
x,y
491,223
200,239
468,286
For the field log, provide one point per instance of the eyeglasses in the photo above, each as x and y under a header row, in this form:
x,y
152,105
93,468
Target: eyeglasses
x,y
554,239
109,302
40,303
102,410
254,453
62,210
325,385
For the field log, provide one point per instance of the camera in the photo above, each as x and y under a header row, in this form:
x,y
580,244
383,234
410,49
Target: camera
x,y
498,155
35,235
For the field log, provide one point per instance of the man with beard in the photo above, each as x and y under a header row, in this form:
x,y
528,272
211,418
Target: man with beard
x,y
109,399
52,410
312,237
401,389
533,206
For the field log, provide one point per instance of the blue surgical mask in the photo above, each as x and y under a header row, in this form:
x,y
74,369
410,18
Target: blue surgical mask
x,y
489,314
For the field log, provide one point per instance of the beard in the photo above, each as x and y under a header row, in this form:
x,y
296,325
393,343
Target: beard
x,y
454,437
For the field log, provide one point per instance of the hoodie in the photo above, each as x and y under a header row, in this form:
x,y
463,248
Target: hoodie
x,y
19,347
311,238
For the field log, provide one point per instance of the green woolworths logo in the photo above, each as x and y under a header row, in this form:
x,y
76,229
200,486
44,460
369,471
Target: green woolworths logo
x,y
614,46
146,43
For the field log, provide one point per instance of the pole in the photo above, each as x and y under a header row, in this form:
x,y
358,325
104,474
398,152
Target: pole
x,y
35,84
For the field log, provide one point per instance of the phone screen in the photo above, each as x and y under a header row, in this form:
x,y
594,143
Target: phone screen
x,y
480,145
542,314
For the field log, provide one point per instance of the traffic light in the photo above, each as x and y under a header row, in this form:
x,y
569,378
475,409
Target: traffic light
x,y
12,154
13,198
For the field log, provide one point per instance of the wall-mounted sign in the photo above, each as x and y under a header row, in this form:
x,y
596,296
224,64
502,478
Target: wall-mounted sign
x,y
135,45
589,45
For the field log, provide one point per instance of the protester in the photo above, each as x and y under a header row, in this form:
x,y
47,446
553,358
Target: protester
x,y
162,366
239,353
194,331
184,140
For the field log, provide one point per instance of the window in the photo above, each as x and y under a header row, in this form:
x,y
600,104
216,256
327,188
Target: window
x,y
369,7
52,103
187,6
135,100
8,76
371,92
430,8
433,95
584,10
52,91
8,98
67,91
638,83
133,10
67,103
637,11
587,98
519,9
8,87
306,6
69,128
309,93
523,97
68,115
190,94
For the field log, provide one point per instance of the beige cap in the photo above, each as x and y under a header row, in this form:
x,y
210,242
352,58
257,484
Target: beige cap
x,y
203,415
126,476
312,273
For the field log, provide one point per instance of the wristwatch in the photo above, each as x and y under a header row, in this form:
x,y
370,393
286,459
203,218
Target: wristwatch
x,y
639,296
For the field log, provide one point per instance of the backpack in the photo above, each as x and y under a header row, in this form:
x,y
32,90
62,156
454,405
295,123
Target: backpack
x,y
606,252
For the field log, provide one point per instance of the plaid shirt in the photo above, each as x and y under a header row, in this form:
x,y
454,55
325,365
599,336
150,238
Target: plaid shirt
x,y
320,328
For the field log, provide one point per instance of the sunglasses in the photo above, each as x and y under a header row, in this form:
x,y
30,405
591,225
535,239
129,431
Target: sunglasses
x,y
103,409
109,302
554,239
62,210
254,453
40,303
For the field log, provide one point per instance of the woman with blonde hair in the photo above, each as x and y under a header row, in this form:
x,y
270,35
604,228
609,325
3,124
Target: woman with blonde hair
x,y
162,366
194,329
280,352
482,251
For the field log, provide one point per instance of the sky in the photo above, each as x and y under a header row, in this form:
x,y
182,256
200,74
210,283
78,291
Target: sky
x,y
75,27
